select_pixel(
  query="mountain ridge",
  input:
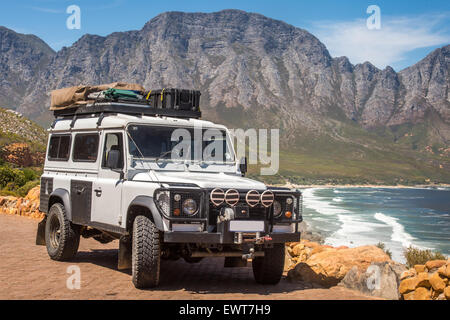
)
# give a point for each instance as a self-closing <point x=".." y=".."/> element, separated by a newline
<point x="254" y="71"/>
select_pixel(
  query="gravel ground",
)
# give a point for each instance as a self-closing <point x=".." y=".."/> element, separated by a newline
<point x="26" y="272"/>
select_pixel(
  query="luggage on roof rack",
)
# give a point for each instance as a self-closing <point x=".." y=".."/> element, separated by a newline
<point x="125" y="98"/>
<point x="171" y="98"/>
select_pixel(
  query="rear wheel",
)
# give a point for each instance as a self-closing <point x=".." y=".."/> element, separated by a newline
<point x="146" y="253"/>
<point x="62" y="238"/>
<point x="269" y="269"/>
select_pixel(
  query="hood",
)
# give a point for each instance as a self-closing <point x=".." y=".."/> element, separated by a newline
<point x="205" y="180"/>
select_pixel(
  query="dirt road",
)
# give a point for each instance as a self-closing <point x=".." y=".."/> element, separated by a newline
<point x="26" y="272"/>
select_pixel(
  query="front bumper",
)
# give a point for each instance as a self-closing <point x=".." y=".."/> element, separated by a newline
<point x="221" y="238"/>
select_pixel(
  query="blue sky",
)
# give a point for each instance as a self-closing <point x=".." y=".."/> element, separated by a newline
<point x="409" y="29"/>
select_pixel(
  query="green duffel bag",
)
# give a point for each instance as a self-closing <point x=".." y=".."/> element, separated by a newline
<point x="119" y="94"/>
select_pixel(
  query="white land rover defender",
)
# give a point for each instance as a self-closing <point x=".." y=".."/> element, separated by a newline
<point x="108" y="175"/>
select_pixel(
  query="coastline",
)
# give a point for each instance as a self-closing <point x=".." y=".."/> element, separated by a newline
<point x="328" y="186"/>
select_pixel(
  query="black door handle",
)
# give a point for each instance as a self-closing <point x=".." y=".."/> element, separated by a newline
<point x="98" y="192"/>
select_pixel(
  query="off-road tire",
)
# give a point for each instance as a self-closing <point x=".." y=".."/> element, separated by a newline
<point x="146" y="253"/>
<point x="62" y="238"/>
<point x="269" y="269"/>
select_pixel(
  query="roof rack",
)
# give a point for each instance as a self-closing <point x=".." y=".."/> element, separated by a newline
<point x="125" y="107"/>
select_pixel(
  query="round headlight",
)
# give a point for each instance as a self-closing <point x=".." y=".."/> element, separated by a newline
<point x="190" y="207"/>
<point x="276" y="209"/>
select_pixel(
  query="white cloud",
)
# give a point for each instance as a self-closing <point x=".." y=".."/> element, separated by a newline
<point x="46" y="10"/>
<point x="387" y="46"/>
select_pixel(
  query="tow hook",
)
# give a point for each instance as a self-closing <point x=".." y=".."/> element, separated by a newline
<point x="261" y="240"/>
<point x="249" y="255"/>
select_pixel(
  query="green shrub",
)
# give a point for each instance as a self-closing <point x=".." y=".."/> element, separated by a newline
<point x="30" y="174"/>
<point x="382" y="246"/>
<point x="6" y="176"/>
<point x="417" y="256"/>
<point x="23" y="191"/>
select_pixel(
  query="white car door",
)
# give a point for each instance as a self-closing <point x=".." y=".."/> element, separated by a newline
<point x="107" y="188"/>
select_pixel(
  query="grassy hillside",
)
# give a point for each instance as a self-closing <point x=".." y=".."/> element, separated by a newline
<point x="16" y="128"/>
<point x="345" y="153"/>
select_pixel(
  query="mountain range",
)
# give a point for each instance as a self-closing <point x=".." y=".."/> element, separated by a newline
<point x="339" y="122"/>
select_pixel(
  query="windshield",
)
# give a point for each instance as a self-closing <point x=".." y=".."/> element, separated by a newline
<point x="175" y="143"/>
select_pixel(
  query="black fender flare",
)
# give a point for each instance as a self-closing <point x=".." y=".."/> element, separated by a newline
<point x="64" y="195"/>
<point x="149" y="203"/>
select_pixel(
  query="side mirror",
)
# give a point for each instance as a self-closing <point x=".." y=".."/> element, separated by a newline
<point x="113" y="160"/>
<point x="243" y="165"/>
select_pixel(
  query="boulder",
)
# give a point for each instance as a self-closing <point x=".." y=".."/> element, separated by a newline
<point x="379" y="280"/>
<point x="447" y="293"/>
<point x="434" y="264"/>
<point x="437" y="282"/>
<point x="408" y="274"/>
<point x="423" y="280"/>
<point x="329" y="266"/>
<point x="420" y="268"/>
<point x="408" y="285"/>
<point x="422" y="294"/>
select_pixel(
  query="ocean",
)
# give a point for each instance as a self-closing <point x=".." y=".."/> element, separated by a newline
<point x="398" y="217"/>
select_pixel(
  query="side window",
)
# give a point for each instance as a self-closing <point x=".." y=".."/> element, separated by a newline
<point x="59" y="148"/>
<point x="113" y="141"/>
<point x="85" y="147"/>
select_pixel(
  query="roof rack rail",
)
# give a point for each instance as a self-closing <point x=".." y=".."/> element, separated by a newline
<point x="127" y="107"/>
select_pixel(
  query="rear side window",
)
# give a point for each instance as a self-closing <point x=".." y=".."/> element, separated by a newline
<point x="59" y="148"/>
<point x="85" y="147"/>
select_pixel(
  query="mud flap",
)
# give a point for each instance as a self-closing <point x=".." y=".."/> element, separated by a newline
<point x="40" y="235"/>
<point x="124" y="261"/>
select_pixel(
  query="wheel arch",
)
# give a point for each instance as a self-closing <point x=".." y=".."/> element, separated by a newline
<point x="61" y="196"/>
<point x="143" y="205"/>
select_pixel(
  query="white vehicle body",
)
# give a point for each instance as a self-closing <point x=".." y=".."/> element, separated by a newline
<point x="104" y="201"/>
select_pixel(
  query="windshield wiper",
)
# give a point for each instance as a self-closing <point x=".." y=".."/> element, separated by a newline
<point x="162" y="155"/>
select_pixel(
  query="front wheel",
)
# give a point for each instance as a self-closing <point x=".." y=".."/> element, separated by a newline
<point x="269" y="269"/>
<point x="62" y="238"/>
<point x="146" y="253"/>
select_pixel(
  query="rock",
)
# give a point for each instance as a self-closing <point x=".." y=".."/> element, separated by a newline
<point x="434" y="264"/>
<point x="297" y="250"/>
<point x="28" y="206"/>
<point x="447" y="293"/>
<point x="380" y="280"/>
<point x="444" y="271"/>
<point x="330" y="266"/>
<point x="423" y="280"/>
<point x="408" y="274"/>
<point x="420" y="268"/>
<point x="20" y="154"/>
<point x="408" y="296"/>
<point x="288" y="264"/>
<point x="408" y="285"/>
<point x="437" y="282"/>
<point x="422" y="294"/>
